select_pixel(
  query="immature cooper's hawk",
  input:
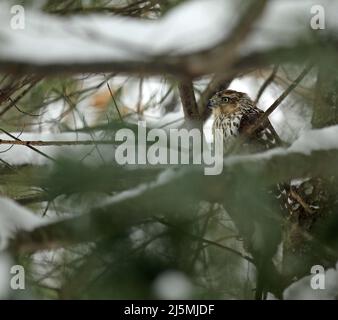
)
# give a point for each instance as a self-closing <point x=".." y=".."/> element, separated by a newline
<point x="302" y="202"/>
<point x="234" y="113"/>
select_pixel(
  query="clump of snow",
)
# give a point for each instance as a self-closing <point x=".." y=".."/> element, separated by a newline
<point x="298" y="182"/>
<point x="317" y="139"/>
<point x="14" y="217"/>
<point x="163" y="178"/>
<point x="309" y="141"/>
<point x="285" y="22"/>
<point x="302" y="288"/>
<point x="192" y="26"/>
<point x="195" y="25"/>
<point x="172" y="284"/>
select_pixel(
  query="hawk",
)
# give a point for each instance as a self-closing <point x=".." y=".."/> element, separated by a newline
<point x="235" y="113"/>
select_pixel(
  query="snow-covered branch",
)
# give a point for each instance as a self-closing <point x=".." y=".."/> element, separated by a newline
<point x="198" y="37"/>
<point x="305" y="155"/>
<point x="14" y="218"/>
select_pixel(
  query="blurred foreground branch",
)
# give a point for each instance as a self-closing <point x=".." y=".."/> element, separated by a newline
<point x="268" y="170"/>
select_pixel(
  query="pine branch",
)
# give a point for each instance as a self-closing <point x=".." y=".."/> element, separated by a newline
<point x="266" y="170"/>
<point x="214" y="59"/>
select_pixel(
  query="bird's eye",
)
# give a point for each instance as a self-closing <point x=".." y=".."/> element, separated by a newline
<point x="225" y="99"/>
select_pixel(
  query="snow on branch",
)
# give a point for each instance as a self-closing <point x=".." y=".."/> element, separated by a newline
<point x="191" y="39"/>
<point x="49" y="39"/>
<point x="305" y="155"/>
<point x="324" y="139"/>
<point x="13" y="218"/>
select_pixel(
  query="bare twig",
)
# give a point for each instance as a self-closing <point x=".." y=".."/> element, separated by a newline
<point x="25" y="200"/>
<point x="55" y="142"/>
<point x="267" y="83"/>
<point x="115" y="104"/>
<point x="205" y="241"/>
<point x="134" y="9"/>
<point x="27" y="145"/>
<point x="274" y="106"/>
<point x="13" y="102"/>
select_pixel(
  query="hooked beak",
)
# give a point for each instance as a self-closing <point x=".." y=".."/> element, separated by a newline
<point x="210" y="104"/>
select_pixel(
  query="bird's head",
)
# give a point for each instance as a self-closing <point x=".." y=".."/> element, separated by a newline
<point x="228" y="102"/>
